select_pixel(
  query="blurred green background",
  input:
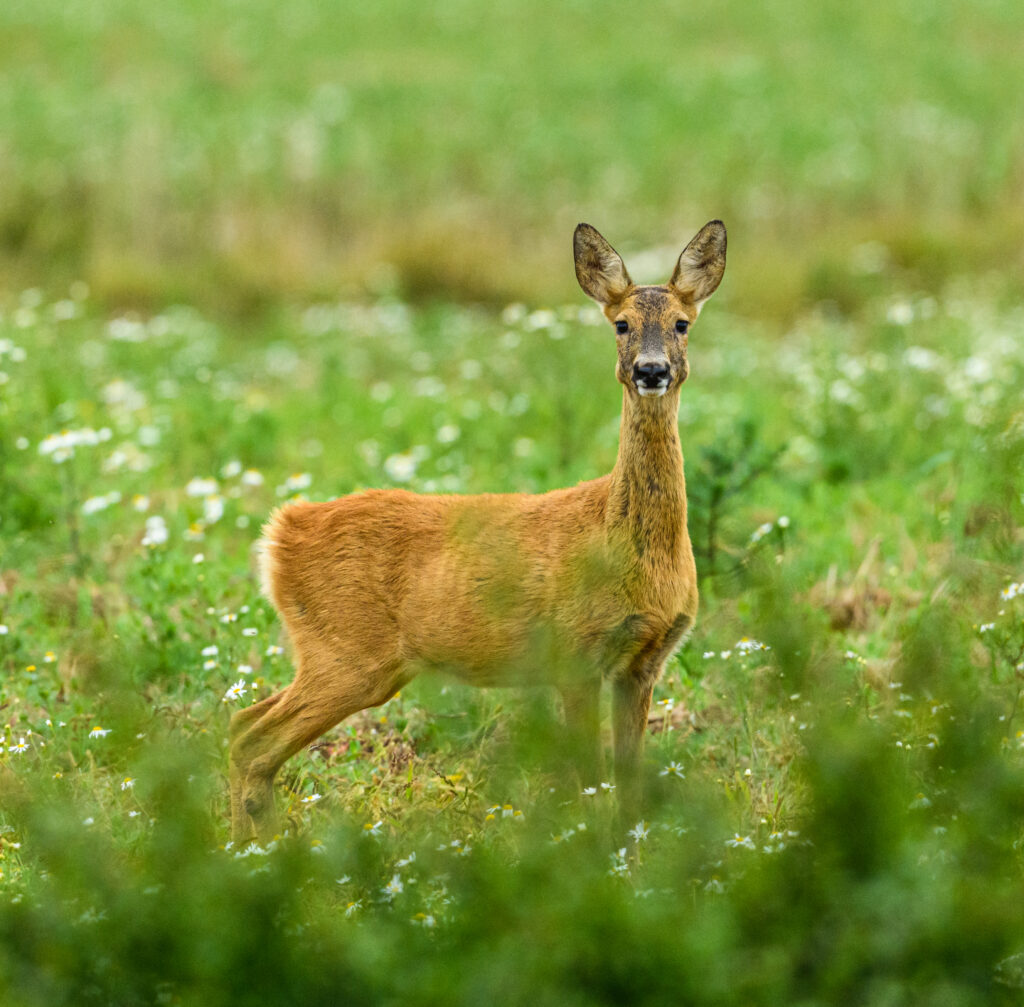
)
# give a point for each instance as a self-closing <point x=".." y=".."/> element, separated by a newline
<point x="232" y="154"/>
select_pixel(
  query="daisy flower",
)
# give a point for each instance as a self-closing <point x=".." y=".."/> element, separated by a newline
<point x="235" y="692"/>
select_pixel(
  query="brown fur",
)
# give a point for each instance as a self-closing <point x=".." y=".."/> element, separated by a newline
<point x="562" y="588"/>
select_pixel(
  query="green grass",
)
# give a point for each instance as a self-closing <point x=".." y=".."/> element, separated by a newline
<point x="256" y="251"/>
<point x="845" y="821"/>
<point x="241" y="157"/>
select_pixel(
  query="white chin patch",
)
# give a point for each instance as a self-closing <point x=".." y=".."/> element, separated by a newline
<point x="656" y="392"/>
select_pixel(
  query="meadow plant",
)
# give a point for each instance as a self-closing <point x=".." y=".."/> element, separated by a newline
<point x="834" y="811"/>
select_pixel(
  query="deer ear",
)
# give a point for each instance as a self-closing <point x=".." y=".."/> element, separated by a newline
<point x="599" y="268"/>
<point x="701" y="265"/>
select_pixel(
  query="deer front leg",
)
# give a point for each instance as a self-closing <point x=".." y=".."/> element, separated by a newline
<point x="582" y="705"/>
<point x="631" y="701"/>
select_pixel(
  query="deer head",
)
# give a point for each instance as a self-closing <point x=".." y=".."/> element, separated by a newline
<point x="651" y="322"/>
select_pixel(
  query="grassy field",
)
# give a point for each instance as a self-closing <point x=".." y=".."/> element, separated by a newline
<point x="237" y="156"/>
<point x="836" y="816"/>
<point x="257" y="252"/>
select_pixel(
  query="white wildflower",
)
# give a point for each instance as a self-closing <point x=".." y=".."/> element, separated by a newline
<point x="295" y="483"/>
<point x="213" y="508"/>
<point x="199" y="487"/>
<point x="236" y="691"/>
<point x="921" y="358"/>
<point x="400" y="468"/>
<point x="746" y="645"/>
<point x="60" y="447"/>
<point x="639" y="832"/>
<point x="543" y="318"/>
<point x="900" y="313"/>
<point x="95" y="504"/>
<point x="620" y="864"/>
<point x="738" y="841"/>
<point x="156" y="531"/>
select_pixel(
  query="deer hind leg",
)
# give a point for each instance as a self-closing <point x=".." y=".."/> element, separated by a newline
<point x="241" y="721"/>
<point x="328" y="687"/>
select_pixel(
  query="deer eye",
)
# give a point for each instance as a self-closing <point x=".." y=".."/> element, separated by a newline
<point x="682" y="325"/>
<point x="622" y="326"/>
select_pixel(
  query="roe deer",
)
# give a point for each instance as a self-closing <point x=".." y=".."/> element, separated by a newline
<point x="562" y="588"/>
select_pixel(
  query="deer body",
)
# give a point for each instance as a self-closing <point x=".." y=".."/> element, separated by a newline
<point x="563" y="588"/>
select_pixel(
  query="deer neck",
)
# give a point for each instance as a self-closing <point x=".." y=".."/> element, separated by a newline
<point x="647" y="495"/>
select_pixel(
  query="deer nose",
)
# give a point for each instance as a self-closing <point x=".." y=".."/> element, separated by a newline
<point x="651" y="375"/>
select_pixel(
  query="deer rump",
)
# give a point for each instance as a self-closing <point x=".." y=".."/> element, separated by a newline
<point x="497" y="589"/>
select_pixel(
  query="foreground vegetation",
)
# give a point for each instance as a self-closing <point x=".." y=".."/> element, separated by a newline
<point x="836" y="757"/>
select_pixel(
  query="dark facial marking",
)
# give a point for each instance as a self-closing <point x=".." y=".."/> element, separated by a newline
<point x="650" y="298"/>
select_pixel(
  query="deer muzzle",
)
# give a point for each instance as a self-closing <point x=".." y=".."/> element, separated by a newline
<point x="652" y="377"/>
